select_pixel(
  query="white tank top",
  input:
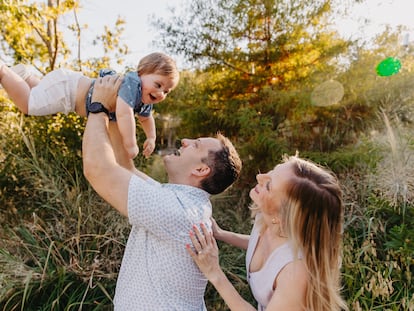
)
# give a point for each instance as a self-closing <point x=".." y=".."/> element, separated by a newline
<point x="261" y="282"/>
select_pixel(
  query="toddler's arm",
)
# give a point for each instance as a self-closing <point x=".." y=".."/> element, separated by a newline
<point x="120" y="153"/>
<point x="126" y="124"/>
<point x="148" y="125"/>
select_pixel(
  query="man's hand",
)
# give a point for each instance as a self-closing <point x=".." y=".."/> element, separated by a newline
<point x="106" y="91"/>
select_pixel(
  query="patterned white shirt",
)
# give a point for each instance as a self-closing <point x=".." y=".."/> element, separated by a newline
<point x="156" y="271"/>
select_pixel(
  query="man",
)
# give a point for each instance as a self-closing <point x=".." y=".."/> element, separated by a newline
<point x="156" y="271"/>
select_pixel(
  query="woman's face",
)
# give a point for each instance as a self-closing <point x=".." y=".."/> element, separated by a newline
<point x="271" y="187"/>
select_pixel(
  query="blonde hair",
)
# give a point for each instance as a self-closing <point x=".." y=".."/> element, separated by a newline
<point x="314" y="223"/>
<point x="159" y="63"/>
<point x="312" y="219"/>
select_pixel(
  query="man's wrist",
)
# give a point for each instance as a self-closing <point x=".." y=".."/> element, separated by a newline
<point x="102" y="113"/>
<point x="102" y="116"/>
<point x="96" y="107"/>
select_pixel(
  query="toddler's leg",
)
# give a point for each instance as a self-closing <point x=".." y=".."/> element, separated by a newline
<point x="17" y="88"/>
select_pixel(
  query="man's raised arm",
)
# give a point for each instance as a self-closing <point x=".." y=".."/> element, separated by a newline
<point x="107" y="177"/>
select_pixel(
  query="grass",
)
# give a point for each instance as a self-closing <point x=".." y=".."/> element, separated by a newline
<point x="61" y="245"/>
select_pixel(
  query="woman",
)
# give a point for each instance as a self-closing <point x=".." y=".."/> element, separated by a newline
<point x="294" y="250"/>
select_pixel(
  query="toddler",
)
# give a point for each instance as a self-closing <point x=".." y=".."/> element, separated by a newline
<point x="64" y="91"/>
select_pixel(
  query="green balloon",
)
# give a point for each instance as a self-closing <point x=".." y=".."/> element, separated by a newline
<point x="388" y="67"/>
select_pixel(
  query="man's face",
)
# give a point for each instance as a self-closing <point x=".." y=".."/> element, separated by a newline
<point x="190" y="154"/>
<point x="155" y="88"/>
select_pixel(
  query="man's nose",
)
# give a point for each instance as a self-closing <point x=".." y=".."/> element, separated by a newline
<point x="185" y="142"/>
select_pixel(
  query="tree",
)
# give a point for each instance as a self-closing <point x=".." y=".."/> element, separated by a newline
<point x="32" y="34"/>
<point x="30" y="30"/>
<point x="266" y="42"/>
<point x="260" y="60"/>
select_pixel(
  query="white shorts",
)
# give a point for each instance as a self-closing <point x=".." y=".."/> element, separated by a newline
<point x="56" y="92"/>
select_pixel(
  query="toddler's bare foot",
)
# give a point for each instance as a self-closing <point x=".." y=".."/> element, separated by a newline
<point x="2" y="66"/>
<point x="21" y="70"/>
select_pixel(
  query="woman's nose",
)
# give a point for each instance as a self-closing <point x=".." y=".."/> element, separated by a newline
<point x="259" y="177"/>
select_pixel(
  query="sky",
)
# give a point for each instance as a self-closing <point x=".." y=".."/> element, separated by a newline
<point x="378" y="13"/>
<point x="138" y="34"/>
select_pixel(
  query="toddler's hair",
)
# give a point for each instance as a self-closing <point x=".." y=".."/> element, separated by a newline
<point x="158" y="63"/>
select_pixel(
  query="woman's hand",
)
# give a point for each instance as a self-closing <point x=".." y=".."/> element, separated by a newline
<point x="206" y="251"/>
<point x="217" y="231"/>
<point x="206" y="258"/>
<point x="105" y="91"/>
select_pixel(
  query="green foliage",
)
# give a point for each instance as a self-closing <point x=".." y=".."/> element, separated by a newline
<point x="258" y="93"/>
<point x="378" y="260"/>
<point x="34" y="178"/>
<point x="261" y="61"/>
<point x="232" y="259"/>
<point x="49" y="273"/>
<point x="378" y="250"/>
<point x="61" y="246"/>
<point x="30" y="30"/>
<point x="40" y="41"/>
<point x="254" y="43"/>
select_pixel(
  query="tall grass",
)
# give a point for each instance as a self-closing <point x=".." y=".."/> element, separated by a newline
<point x="378" y="252"/>
<point x="61" y="245"/>
<point x="379" y="247"/>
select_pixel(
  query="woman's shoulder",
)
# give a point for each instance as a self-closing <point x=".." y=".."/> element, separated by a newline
<point x="294" y="273"/>
<point x="290" y="287"/>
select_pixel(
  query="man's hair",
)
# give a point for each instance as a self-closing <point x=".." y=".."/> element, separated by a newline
<point x="225" y="165"/>
<point x="158" y="63"/>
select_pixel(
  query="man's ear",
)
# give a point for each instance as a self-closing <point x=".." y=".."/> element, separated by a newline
<point x="201" y="171"/>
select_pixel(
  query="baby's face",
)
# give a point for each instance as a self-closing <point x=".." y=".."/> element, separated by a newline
<point x="155" y="88"/>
